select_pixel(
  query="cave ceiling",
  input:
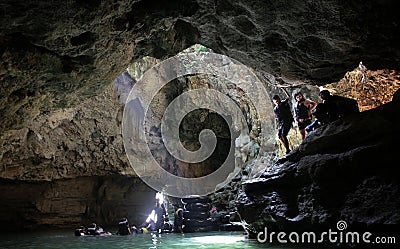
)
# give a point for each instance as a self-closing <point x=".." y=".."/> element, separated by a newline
<point x="56" y="53"/>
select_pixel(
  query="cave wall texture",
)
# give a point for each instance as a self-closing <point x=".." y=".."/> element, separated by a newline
<point x="343" y="171"/>
<point x="54" y="54"/>
<point x="60" y="115"/>
<point x="73" y="202"/>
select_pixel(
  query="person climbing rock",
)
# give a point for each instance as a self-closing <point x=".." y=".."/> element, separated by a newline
<point x="321" y="116"/>
<point x="284" y="118"/>
<point x="338" y="106"/>
<point x="303" y="110"/>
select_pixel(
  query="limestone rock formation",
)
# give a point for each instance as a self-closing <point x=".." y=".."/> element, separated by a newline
<point x="335" y="174"/>
<point x="73" y="202"/>
<point x="54" y="54"/>
<point x="60" y="115"/>
<point x="84" y="140"/>
<point x="370" y="88"/>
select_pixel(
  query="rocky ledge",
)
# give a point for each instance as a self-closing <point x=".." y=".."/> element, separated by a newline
<point x="342" y="171"/>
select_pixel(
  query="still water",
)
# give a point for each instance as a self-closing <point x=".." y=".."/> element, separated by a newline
<point x="66" y="239"/>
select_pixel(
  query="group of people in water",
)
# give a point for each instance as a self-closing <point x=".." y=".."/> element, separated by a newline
<point x="157" y="221"/>
<point x="330" y="109"/>
<point x="91" y="230"/>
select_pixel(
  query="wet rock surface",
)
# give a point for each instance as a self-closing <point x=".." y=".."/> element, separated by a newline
<point x="335" y="174"/>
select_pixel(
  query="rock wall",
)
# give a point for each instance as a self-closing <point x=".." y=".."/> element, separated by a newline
<point x="60" y="117"/>
<point x="81" y="144"/>
<point x="55" y="54"/>
<point x="84" y="140"/>
<point x="369" y="88"/>
<point x="73" y="202"/>
<point x="342" y="171"/>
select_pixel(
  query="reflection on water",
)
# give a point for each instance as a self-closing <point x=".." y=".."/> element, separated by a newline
<point x="66" y="239"/>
